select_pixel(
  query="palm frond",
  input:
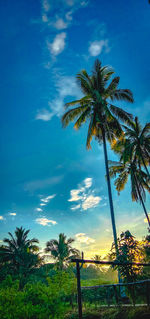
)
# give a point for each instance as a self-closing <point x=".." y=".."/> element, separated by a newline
<point x="72" y="114"/>
<point x="82" y="119"/>
<point x="91" y="131"/>
<point x="122" y="95"/>
<point x="121" y="181"/>
<point x="112" y="86"/>
<point x="146" y="129"/>
<point x="121" y="114"/>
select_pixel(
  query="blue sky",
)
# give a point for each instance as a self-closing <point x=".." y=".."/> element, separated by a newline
<point x="50" y="183"/>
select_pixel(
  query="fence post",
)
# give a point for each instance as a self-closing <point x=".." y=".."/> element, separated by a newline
<point x="147" y="293"/>
<point x="79" y="291"/>
<point x="116" y="295"/>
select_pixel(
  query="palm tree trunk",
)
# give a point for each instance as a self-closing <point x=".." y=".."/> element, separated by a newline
<point x="141" y="200"/>
<point x="110" y="193"/>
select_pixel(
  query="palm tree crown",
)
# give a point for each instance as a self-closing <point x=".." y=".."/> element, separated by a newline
<point x="19" y="251"/>
<point x="138" y="178"/>
<point x="95" y="107"/>
<point x="135" y="144"/>
<point x="61" y="250"/>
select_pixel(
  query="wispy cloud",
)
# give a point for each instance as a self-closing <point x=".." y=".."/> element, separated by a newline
<point x="12" y="214"/>
<point x="76" y="207"/>
<point x="44" y="115"/>
<point x="45" y="9"/>
<point x="58" y="44"/>
<point x="60" y="24"/>
<point x="88" y="182"/>
<point x="45" y="221"/>
<point x="35" y="185"/>
<point x="84" y="195"/>
<point x="97" y="47"/>
<point x="84" y="239"/>
<point x="65" y="86"/>
<point x="44" y="201"/>
<point x="48" y="198"/>
<point x="38" y="209"/>
<point x="2" y="218"/>
<point x="91" y="201"/>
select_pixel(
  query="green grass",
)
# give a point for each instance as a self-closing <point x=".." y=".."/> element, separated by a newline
<point x="121" y="313"/>
<point x="95" y="282"/>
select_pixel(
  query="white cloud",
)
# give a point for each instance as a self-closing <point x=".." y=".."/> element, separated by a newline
<point x="45" y="9"/>
<point x="1" y="218"/>
<point x="48" y="198"/>
<point x="44" y="18"/>
<point x="44" y="115"/>
<point x="38" y="209"/>
<point x="75" y="195"/>
<point x="84" y="195"/>
<point x="88" y="182"/>
<point x="44" y="201"/>
<point x="12" y="214"/>
<point x="97" y="47"/>
<point x="58" y="45"/>
<point x="45" y="221"/>
<point x="91" y="201"/>
<point x="46" y="5"/>
<point x="60" y="24"/>
<point x="76" y="207"/>
<point x="69" y="16"/>
<point x="83" y="239"/>
<point x="65" y="86"/>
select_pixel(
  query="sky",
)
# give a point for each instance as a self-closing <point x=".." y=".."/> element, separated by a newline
<point x="50" y="183"/>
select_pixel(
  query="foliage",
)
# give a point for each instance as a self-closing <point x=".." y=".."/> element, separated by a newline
<point x="133" y="148"/>
<point x="140" y="181"/>
<point x="121" y="313"/>
<point x="61" y="250"/>
<point x="146" y="254"/>
<point x="36" y="300"/>
<point x="134" y="144"/>
<point x="19" y="255"/>
<point x="95" y="108"/>
<point x="129" y="251"/>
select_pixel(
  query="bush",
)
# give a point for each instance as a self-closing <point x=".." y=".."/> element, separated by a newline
<point x="37" y="300"/>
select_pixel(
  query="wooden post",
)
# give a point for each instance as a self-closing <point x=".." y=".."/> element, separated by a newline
<point x="79" y="291"/>
<point x="116" y="295"/>
<point x="147" y="293"/>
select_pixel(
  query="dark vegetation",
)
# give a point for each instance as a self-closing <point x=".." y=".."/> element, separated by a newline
<point x="38" y="290"/>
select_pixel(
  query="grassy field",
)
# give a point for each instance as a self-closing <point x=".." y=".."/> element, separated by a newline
<point x="117" y="313"/>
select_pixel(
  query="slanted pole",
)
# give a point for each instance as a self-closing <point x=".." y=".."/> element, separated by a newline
<point x="79" y="290"/>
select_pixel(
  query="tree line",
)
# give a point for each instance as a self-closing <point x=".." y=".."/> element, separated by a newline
<point x="20" y="256"/>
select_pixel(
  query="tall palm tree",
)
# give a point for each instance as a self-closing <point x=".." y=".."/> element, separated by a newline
<point x="20" y="252"/>
<point x="96" y="107"/>
<point x="139" y="181"/>
<point x="135" y="144"/>
<point x="61" y="250"/>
